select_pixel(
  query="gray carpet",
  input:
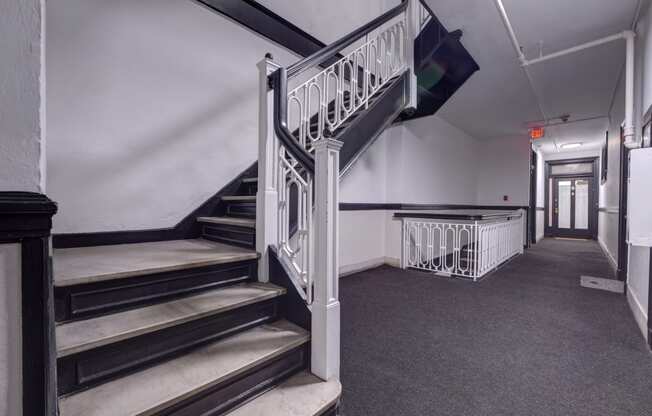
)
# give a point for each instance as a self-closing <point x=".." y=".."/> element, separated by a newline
<point x="527" y="340"/>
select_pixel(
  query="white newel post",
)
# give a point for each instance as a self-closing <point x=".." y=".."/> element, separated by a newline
<point x="267" y="196"/>
<point x="326" y="305"/>
<point x="413" y="26"/>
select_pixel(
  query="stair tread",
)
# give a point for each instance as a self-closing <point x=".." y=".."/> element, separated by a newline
<point x="81" y="265"/>
<point x="84" y="335"/>
<point x="240" y="222"/>
<point x="301" y="395"/>
<point x="251" y="198"/>
<point x="159" y="387"/>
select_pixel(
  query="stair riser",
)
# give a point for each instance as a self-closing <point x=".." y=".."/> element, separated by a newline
<point x="227" y="234"/>
<point x="89" y="368"/>
<point x="229" y="394"/>
<point x="96" y="299"/>
<point x="248" y="188"/>
<point x="241" y="209"/>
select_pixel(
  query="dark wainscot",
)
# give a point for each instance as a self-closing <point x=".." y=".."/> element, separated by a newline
<point x="26" y="219"/>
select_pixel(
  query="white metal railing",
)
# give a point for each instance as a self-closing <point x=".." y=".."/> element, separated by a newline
<point x="321" y="104"/>
<point x="467" y="249"/>
<point x="295" y="197"/>
<point x="297" y="205"/>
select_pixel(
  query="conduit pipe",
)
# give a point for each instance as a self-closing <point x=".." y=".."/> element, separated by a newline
<point x="521" y="58"/>
<point x="627" y="35"/>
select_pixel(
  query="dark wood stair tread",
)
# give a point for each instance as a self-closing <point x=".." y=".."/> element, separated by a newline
<point x="75" y="337"/>
<point x="162" y="386"/>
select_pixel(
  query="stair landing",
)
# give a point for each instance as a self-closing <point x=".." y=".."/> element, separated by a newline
<point x="73" y="266"/>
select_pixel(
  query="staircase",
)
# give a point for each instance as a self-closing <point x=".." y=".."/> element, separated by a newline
<point x="243" y="319"/>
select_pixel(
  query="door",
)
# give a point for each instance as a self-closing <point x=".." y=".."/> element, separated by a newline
<point x="572" y="211"/>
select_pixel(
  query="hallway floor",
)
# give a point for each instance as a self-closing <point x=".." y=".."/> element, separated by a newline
<point x="527" y="340"/>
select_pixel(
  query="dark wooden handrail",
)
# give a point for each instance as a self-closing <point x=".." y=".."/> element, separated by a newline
<point x="279" y="83"/>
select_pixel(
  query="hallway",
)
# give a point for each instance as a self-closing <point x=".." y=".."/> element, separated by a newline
<point x="528" y="340"/>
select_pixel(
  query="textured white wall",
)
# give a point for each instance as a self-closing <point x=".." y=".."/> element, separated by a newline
<point x="366" y="180"/>
<point x="329" y="20"/>
<point x="10" y="333"/>
<point x="430" y="161"/>
<point x="22" y="129"/>
<point x="503" y="169"/>
<point x="22" y="136"/>
<point x="362" y="240"/>
<point x="424" y="161"/>
<point x="152" y="108"/>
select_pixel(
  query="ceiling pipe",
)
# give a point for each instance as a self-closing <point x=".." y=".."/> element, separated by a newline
<point x="630" y="128"/>
<point x="522" y="59"/>
<point x="617" y="36"/>
<point x="628" y="35"/>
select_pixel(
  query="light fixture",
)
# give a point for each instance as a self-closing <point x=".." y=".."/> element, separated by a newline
<point x="571" y="145"/>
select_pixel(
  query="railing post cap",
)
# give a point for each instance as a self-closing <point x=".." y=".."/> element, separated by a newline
<point x="328" y="144"/>
<point x="268" y="63"/>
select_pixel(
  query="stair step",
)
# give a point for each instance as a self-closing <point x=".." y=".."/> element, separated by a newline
<point x="84" y="335"/>
<point x="238" y="222"/>
<point x="74" y="266"/>
<point x="250" y="180"/>
<point x="192" y="375"/>
<point x="240" y="198"/>
<point x="301" y="395"/>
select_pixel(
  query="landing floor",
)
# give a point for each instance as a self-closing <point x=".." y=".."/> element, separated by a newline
<point x="527" y="340"/>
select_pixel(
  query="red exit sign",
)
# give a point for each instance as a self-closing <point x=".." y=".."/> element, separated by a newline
<point x="537" y="133"/>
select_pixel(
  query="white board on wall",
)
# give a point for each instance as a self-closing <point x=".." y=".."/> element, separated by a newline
<point x="640" y="198"/>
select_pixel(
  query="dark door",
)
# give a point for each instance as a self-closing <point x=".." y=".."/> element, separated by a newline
<point x="573" y="207"/>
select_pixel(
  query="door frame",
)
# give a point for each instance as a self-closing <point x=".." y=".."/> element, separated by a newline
<point x="534" y="159"/>
<point x="593" y="203"/>
<point x="572" y="231"/>
<point x="622" y="208"/>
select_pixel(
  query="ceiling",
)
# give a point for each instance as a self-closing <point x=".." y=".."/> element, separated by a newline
<point x="499" y="101"/>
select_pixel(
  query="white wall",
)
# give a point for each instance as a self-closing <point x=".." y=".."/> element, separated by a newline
<point x="609" y="216"/>
<point x="22" y="141"/>
<point x="22" y="128"/>
<point x="423" y="161"/>
<point x="638" y="258"/>
<point x="430" y="161"/>
<point x="152" y="108"/>
<point x="329" y="20"/>
<point x="503" y="169"/>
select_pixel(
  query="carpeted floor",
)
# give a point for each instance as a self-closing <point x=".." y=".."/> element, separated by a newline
<point x="527" y="340"/>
